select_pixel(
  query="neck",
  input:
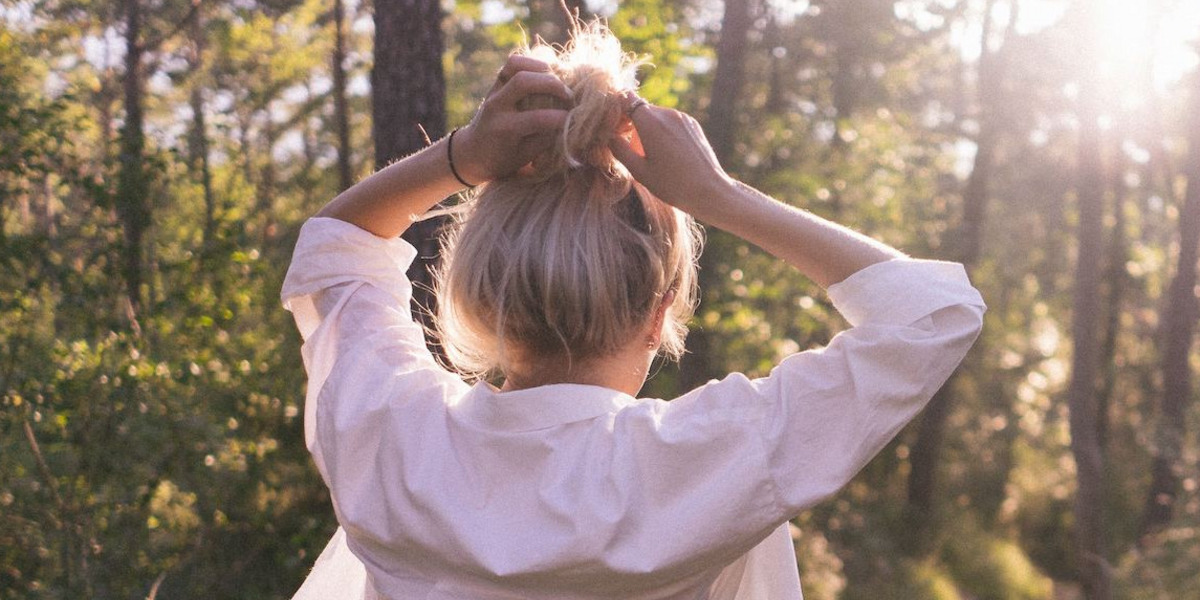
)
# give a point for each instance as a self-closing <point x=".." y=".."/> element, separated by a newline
<point x="624" y="371"/>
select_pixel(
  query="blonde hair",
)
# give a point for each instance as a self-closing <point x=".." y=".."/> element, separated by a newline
<point x="572" y="260"/>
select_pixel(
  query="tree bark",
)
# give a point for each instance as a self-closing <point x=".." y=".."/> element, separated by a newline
<point x="408" y="93"/>
<point x="1089" y="535"/>
<point x="133" y="209"/>
<point x="198" y="136"/>
<point x="1178" y="329"/>
<point x="408" y="86"/>
<point x="551" y="22"/>
<point x="696" y="366"/>
<point x="728" y="80"/>
<point x="1115" y="279"/>
<point x="341" y="112"/>
<point x="777" y="76"/>
<point x="965" y="244"/>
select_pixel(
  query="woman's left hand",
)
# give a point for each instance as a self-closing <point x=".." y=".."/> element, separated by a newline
<point x="502" y="138"/>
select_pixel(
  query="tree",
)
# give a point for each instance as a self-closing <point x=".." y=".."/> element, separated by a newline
<point x="720" y="125"/>
<point x="341" y="111"/>
<point x="132" y="197"/>
<point x="1090" y="539"/>
<point x="728" y="80"/>
<point x="408" y="92"/>
<point x="198" y="159"/>
<point x="965" y="246"/>
<point x="1178" y="329"/>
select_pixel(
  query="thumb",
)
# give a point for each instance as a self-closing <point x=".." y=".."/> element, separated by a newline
<point x="624" y="152"/>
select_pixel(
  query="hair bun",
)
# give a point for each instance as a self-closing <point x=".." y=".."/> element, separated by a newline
<point x="599" y="74"/>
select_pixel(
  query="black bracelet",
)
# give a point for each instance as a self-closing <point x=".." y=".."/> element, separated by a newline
<point x="450" y="155"/>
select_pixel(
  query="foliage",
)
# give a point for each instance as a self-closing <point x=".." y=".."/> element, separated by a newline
<point x="159" y="450"/>
<point x="992" y="568"/>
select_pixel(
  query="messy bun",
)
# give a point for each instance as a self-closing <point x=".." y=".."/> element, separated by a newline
<point x="568" y="261"/>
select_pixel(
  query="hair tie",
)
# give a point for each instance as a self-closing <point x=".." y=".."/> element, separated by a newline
<point x="450" y="155"/>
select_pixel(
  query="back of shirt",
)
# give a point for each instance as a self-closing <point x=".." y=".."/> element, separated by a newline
<point x="573" y="491"/>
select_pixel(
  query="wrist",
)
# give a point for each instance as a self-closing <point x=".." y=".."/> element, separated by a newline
<point x="465" y="166"/>
<point x="716" y="201"/>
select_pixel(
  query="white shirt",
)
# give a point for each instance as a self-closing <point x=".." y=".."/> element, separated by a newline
<point x="451" y="491"/>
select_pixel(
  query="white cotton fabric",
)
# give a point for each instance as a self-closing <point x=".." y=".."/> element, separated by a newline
<point x="451" y="491"/>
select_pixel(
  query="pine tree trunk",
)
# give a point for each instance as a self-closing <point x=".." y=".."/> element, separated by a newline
<point x="965" y="244"/>
<point x="408" y="92"/>
<point x="696" y="366"/>
<point x="1178" y="329"/>
<point x="133" y="209"/>
<point x="198" y="136"/>
<point x="1115" y="280"/>
<point x="1089" y="535"/>
<point x="341" y="112"/>
<point x="551" y="22"/>
<point x="728" y="80"/>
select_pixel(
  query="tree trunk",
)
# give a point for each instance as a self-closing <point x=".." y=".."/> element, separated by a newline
<point x="728" y="80"/>
<point x="1089" y="534"/>
<point x="696" y="366"/>
<point x="1178" y="328"/>
<point x="1115" y="280"/>
<point x="133" y="210"/>
<point x="341" y="113"/>
<point x="551" y="22"/>
<point x="965" y="244"/>
<point x="777" y="74"/>
<point x="198" y="136"/>
<point x="268" y="176"/>
<point x="408" y="93"/>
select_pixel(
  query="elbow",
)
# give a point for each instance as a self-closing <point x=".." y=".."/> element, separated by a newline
<point x="960" y="325"/>
<point x="974" y="326"/>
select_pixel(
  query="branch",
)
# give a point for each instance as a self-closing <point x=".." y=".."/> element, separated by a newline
<point x="43" y="468"/>
<point x="154" y="587"/>
<point x="155" y="43"/>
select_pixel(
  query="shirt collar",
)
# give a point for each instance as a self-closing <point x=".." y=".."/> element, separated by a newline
<point x="539" y="407"/>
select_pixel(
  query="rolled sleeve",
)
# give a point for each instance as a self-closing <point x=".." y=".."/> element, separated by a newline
<point x="901" y="291"/>
<point x="824" y="413"/>
<point x="350" y="297"/>
<point x="331" y="253"/>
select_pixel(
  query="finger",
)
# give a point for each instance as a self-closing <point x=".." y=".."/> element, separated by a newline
<point x="624" y="152"/>
<point x="538" y="121"/>
<point x="534" y="147"/>
<point x="628" y="99"/>
<point x="515" y="64"/>
<point x="649" y="121"/>
<point x="520" y="62"/>
<point x="526" y="83"/>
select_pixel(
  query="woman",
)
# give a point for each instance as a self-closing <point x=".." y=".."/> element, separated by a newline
<point x="572" y="270"/>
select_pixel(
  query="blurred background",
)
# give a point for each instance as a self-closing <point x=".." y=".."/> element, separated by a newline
<point x="157" y="158"/>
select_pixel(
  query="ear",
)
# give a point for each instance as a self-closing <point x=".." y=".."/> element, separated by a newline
<point x="660" y="314"/>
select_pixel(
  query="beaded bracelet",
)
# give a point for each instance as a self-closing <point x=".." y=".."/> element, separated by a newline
<point x="450" y="155"/>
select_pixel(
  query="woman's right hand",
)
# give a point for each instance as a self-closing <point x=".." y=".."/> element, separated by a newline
<point x="671" y="157"/>
<point x="503" y="137"/>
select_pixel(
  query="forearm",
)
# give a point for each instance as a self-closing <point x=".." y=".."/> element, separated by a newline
<point x="822" y="250"/>
<point x="671" y="157"/>
<point x="390" y="200"/>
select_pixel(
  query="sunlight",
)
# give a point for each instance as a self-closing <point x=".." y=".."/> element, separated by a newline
<point x="1141" y="43"/>
<point x="1133" y="37"/>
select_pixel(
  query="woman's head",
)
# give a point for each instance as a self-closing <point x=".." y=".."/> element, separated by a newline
<point x="572" y="261"/>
